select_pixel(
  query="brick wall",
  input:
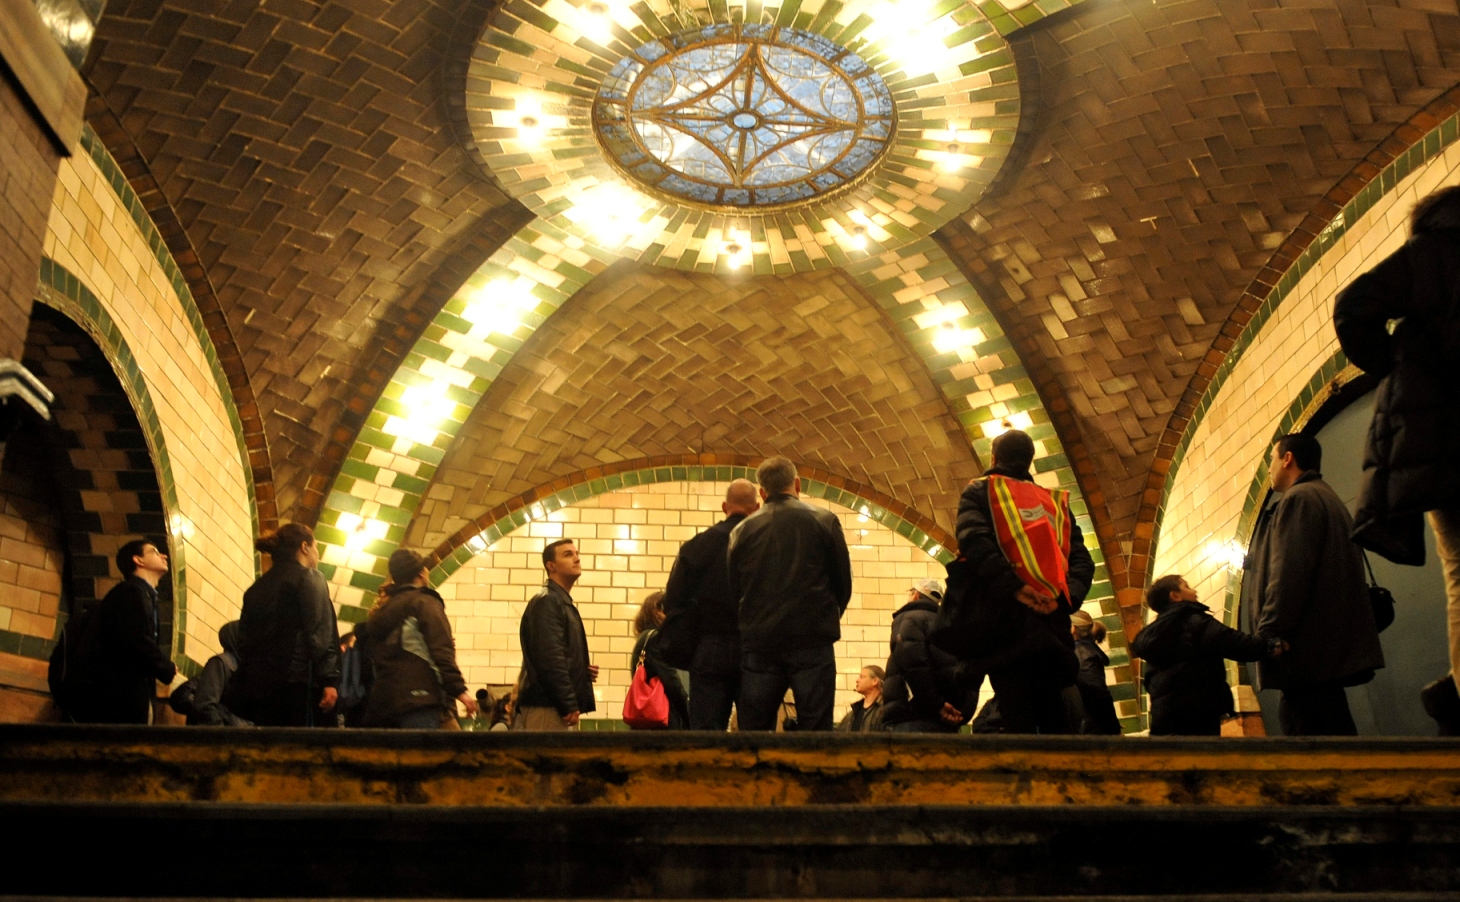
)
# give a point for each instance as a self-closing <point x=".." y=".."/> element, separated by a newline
<point x="26" y="181"/>
<point x="629" y="540"/>
<point x="32" y="539"/>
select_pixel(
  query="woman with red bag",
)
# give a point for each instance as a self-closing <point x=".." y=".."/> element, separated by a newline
<point x="656" y="699"/>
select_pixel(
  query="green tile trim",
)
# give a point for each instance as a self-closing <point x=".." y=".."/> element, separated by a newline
<point x="1429" y="147"/>
<point x="114" y="177"/>
<point x="64" y="292"/>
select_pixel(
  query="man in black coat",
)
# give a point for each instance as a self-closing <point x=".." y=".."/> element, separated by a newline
<point x="702" y="631"/>
<point x="920" y="693"/>
<point x="1412" y="456"/>
<point x="1024" y="636"/>
<point x="1304" y="583"/>
<point x="790" y="570"/>
<point x="557" y="680"/>
<point x="121" y="652"/>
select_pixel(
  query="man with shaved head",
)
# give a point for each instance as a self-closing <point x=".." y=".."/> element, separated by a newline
<point x="702" y="629"/>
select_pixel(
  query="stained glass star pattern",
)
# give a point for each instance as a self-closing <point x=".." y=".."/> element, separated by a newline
<point x="744" y="116"/>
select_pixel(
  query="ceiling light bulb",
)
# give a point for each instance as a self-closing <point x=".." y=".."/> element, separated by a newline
<point x="859" y="238"/>
<point x="598" y="9"/>
<point x="528" y="122"/>
<point x="955" y="147"/>
<point x="733" y="248"/>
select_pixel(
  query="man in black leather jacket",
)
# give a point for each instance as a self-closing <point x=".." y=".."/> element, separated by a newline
<point x="789" y="567"/>
<point x="702" y="633"/>
<point x="557" y="680"/>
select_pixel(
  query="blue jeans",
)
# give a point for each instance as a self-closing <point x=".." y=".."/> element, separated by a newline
<point x="765" y="675"/>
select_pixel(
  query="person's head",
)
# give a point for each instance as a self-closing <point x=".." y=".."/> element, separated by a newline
<point x="1014" y="450"/>
<point x="777" y="476"/>
<point x="228" y="635"/>
<point x="292" y="541"/>
<point x="502" y="710"/>
<point x="740" y="498"/>
<point x="1436" y="212"/>
<point x="930" y="588"/>
<point x="407" y="568"/>
<point x="869" y="681"/>
<point x="1084" y="626"/>
<point x="560" y="560"/>
<point x="142" y="558"/>
<point x="1292" y="456"/>
<point x="651" y="613"/>
<point x="1168" y="589"/>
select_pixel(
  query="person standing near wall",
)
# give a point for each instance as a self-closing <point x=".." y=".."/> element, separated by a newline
<point x="1099" y="717"/>
<point x="646" y="630"/>
<point x="921" y="693"/>
<point x="1412" y="455"/>
<point x="289" y="640"/>
<point x="865" y="714"/>
<point x="557" y="679"/>
<point x="791" y="573"/>
<point x="1304" y="584"/>
<point x="121" y="650"/>
<point x="703" y="625"/>
<point x="408" y="642"/>
<point x="208" y="709"/>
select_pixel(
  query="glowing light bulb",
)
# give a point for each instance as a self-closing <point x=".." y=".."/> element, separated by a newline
<point x="859" y="238"/>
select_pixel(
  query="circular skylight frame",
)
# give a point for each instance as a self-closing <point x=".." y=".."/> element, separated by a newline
<point x="726" y="180"/>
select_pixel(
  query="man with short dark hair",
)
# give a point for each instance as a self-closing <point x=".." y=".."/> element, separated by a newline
<point x="121" y="657"/>
<point x="557" y="680"/>
<point x="1304" y="584"/>
<point x="702" y="631"/>
<point x="1029" y="570"/>
<point x="789" y="568"/>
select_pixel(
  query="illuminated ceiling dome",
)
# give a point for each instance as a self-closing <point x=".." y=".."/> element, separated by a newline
<point x="744" y="116"/>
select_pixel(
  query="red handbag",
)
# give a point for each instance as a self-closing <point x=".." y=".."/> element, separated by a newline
<point x="646" y="707"/>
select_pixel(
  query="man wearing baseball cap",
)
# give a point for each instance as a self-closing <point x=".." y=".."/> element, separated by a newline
<point x="921" y="692"/>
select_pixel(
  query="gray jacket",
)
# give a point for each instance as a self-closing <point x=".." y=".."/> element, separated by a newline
<point x="1304" y="583"/>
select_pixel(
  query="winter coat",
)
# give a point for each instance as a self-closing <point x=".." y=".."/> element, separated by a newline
<point x="1100" y="718"/>
<point x="655" y="667"/>
<point x="208" y="687"/>
<point x="412" y="655"/>
<point x="121" y="658"/>
<point x="789" y="567"/>
<point x="1184" y="649"/>
<point x="989" y="624"/>
<point x="554" y="655"/>
<point x="920" y="677"/>
<point x="697" y="599"/>
<point x="860" y="718"/>
<point x="1304" y="582"/>
<point x="288" y="634"/>
<point x="1412" y="454"/>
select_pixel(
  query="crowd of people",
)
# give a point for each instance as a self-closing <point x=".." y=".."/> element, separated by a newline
<point x="752" y="607"/>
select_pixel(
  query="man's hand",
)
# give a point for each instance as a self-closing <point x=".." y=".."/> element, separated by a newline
<point x="470" y="703"/>
<point x="592" y="673"/>
<point x="571" y="718"/>
<point x="951" y="714"/>
<point x="1037" y="601"/>
<point x="331" y="695"/>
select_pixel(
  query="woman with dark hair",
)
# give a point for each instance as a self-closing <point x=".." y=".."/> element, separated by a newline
<point x="1099" y="715"/>
<point x="646" y="624"/>
<point x="289" y="641"/>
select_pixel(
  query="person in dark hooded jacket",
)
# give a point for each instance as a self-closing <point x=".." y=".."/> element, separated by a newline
<point x="920" y="693"/>
<point x="1412" y="455"/>
<point x="208" y="708"/>
<point x="1184" y="649"/>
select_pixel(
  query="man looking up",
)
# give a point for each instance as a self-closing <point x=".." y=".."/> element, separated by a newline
<point x="1304" y="584"/>
<point x="703" y="625"/>
<point x="790" y="572"/>
<point x="121" y="652"/>
<point x="1030" y="570"/>
<point x="557" y="680"/>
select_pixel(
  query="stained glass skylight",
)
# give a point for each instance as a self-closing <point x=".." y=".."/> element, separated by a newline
<point x="744" y="116"/>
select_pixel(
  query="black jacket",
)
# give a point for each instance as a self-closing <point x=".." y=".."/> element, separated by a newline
<point x="412" y="655"/>
<point x="920" y="677"/>
<point x="1412" y="455"/>
<point x="697" y="599"/>
<point x="287" y="633"/>
<point x="1304" y="582"/>
<point x="788" y="565"/>
<point x="860" y="718"/>
<point x="983" y="620"/>
<point x="121" y="656"/>
<point x="1100" y="717"/>
<point x="1184" y="648"/>
<point x="208" y="687"/>
<point x="655" y="667"/>
<point x="554" y="654"/>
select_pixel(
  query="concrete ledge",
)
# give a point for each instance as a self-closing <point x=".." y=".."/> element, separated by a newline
<point x="150" y="765"/>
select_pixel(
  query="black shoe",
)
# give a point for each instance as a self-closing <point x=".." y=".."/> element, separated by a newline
<point x="1442" y="702"/>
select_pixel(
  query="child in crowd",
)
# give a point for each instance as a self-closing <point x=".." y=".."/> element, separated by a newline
<point x="1184" y="649"/>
